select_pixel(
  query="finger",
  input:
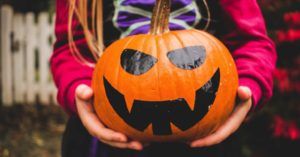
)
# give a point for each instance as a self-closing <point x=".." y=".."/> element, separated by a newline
<point x="84" y="92"/>
<point x="230" y="126"/>
<point x="130" y="145"/>
<point x="94" y="126"/>
<point x="244" y="93"/>
<point x="136" y="145"/>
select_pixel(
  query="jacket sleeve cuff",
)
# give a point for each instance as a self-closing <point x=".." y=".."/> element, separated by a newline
<point x="255" y="90"/>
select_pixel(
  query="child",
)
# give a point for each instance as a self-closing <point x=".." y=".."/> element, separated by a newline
<point x="239" y="24"/>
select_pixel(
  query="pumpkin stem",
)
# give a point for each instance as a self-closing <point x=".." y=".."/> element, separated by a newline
<point x="160" y="17"/>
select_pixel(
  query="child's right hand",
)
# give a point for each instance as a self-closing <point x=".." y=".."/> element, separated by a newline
<point x="83" y="96"/>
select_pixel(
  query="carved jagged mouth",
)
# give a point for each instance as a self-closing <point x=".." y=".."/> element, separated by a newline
<point x="162" y="113"/>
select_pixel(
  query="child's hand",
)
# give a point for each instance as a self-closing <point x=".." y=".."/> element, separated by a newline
<point x="232" y="123"/>
<point x="91" y="122"/>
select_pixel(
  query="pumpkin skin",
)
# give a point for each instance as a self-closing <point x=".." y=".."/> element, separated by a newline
<point x="161" y="82"/>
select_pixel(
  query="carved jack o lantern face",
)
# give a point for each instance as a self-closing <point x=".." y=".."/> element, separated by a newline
<point x="162" y="113"/>
<point x="174" y="86"/>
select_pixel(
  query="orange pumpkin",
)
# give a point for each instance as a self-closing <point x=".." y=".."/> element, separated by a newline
<point x="165" y="85"/>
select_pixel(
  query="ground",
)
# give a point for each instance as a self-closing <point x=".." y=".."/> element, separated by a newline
<point x="31" y="131"/>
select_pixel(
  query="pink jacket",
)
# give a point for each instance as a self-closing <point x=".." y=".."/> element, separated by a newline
<point x="244" y="34"/>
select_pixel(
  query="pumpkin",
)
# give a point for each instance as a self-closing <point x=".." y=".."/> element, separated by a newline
<point x="165" y="85"/>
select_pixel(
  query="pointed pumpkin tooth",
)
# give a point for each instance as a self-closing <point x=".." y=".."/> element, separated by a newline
<point x="129" y="102"/>
<point x="175" y="129"/>
<point x="190" y="99"/>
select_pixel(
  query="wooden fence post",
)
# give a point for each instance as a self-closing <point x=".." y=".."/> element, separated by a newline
<point x="6" y="55"/>
<point x="18" y="58"/>
<point x="44" y="51"/>
<point x="31" y="73"/>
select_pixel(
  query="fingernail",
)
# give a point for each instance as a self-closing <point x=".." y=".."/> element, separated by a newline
<point x="135" y="146"/>
<point x="247" y="90"/>
<point x="193" y="145"/>
<point x="86" y="91"/>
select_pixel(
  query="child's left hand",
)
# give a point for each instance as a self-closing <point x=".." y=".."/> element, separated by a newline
<point x="232" y="123"/>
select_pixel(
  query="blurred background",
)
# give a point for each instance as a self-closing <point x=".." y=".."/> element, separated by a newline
<point x="31" y="124"/>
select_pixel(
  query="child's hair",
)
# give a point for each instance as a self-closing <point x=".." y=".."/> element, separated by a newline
<point x="93" y="29"/>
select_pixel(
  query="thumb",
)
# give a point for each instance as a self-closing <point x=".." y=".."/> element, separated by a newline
<point x="84" y="92"/>
<point x="244" y="93"/>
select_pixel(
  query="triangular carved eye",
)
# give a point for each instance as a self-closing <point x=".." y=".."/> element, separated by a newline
<point x="136" y="62"/>
<point x="188" y="58"/>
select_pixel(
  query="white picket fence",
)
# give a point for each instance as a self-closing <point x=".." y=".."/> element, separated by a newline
<point x="26" y="45"/>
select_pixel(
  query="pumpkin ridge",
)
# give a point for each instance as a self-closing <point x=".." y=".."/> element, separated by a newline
<point x="214" y="42"/>
<point x="167" y="46"/>
<point x="156" y="67"/>
<point x="187" y="74"/>
<point x="220" y="47"/>
<point x="176" y="35"/>
<point x="145" y="38"/>
<point x="193" y="73"/>
<point x="196" y="38"/>
<point x="181" y="45"/>
<point x="119" y="68"/>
